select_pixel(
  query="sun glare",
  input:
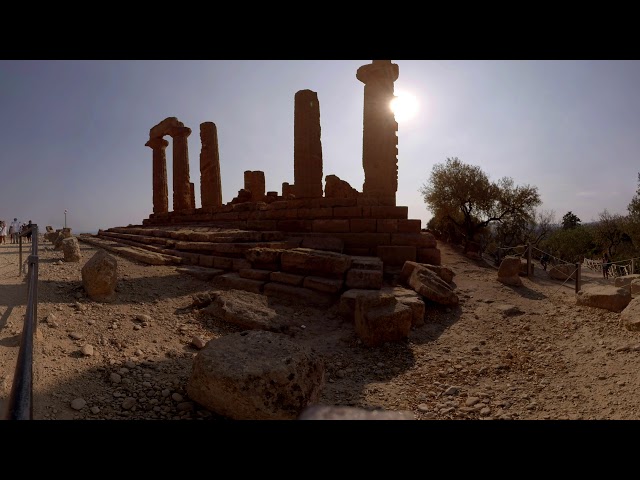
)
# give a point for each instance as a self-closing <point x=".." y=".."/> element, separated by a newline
<point x="404" y="106"/>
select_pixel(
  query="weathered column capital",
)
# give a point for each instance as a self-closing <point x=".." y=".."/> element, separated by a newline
<point x="378" y="70"/>
<point x="179" y="132"/>
<point x="157" y="143"/>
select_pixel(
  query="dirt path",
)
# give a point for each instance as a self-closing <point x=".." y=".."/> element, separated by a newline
<point x="504" y="353"/>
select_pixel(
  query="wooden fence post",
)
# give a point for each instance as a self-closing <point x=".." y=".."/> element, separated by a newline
<point x="577" y="277"/>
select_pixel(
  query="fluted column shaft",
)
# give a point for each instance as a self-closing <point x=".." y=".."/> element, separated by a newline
<point x="181" y="184"/>
<point x="210" y="181"/>
<point x="160" y="187"/>
<point x="379" y="133"/>
<point x="307" y="147"/>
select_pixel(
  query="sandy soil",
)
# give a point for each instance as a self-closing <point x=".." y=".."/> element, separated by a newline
<point x="504" y="353"/>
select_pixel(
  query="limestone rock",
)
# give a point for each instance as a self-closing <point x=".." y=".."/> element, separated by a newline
<point x="509" y="271"/>
<point x="100" y="276"/>
<point x="256" y="375"/>
<point x="380" y="318"/>
<point x="71" y="249"/>
<point x="606" y="297"/>
<point x="630" y="316"/>
<point x="431" y="286"/>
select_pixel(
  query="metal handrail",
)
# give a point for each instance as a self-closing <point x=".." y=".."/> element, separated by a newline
<point x="20" y="404"/>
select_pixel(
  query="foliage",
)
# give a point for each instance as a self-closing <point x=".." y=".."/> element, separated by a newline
<point x="462" y="195"/>
<point x="570" y="220"/>
<point x="610" y="231"/>
<point x="571" y="245"/>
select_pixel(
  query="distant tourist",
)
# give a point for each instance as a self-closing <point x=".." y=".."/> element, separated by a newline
<point x="544" y="260"/>
<point x="3" y="231"/>
<point x="14" y="230"/>
<point x="606" y="263"/>
<point x="29" y="226"/>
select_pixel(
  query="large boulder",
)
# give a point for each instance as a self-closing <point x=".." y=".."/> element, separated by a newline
<point x="444" y="273"/>
<point x="509" y="271"/>
<point x="428" y="284"/>
<point x="71" y="249"/>
<point x="100" y="276"/>
<point x="380" y="318"/>
<point x="64" y="233"/>
<point x="256" y="375"/>
<point x="247" y="310"/>
<point x="630" y="316"/>
<point x="606" y="297"/>
<point x="625" y="280"/>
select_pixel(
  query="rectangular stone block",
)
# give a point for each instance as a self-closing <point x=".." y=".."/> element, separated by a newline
<point x="282" y="214"/>
<point x="328" y="244"/>
<point x="254" y="274"/>
<point x="366" y="263"/>
<point x="222" y="262"/>
<point x="233" y="280"/>
<point x="287" y="278"/>
<point x="347" y="305"/>
<point x="364" y="279"/>
<point x="330" y="226"/>
<point x="386" y="225"/>
<point x="205" y="260"/>
<point x="358" y="252"/>
<point x="303" y="261"/>
<point x="319" y="212"/>
<point x="409" y="226"/>
<point x="396" y="255"/>
<point x="239" y="264"/>
<point x="389" y="212"/>
<point x="362" y="240"/>
<point x="422" y="240"/>
<point x="297" y="294"/>
<point x="226" y="216"/>
<point x="429" y="255"/>
<point x="264" y="256"/>
<point x="278" y="205"/>
<point x="321" y="284"/>
<point x="334" y="202"/>
<point x="347" y="212"/>
<point x="360" y="225"/>
<point x="294" y="225"/>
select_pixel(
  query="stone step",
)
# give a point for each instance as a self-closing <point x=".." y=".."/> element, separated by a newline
<point x="131" y="252"/>
<point x="201" y="234"/>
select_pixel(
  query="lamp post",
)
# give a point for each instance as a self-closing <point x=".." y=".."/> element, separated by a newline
<point x="65" y="219"/>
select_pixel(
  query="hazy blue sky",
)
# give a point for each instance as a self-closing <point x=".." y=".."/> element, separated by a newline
<point x="73" y="133"/>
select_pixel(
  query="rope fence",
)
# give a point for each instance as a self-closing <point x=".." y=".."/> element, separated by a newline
<point x="615" y="269"/>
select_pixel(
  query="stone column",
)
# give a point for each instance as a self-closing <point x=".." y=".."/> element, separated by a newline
<point x="379" y="138"/>
<point x="181" y="187"/>
<point x="254" y="182"/>
<point x="160" y="187"/>
<point x="210" y="182"/>
<point x="307" y="147"/>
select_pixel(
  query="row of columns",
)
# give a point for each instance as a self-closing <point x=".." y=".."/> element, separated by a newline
<point x="379" y="150"/>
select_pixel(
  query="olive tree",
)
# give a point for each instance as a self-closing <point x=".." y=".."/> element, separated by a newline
<point x="464" y="196"/>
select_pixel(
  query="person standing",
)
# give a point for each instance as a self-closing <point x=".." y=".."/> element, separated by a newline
<point x="605" y="265"/>
<point x="3" y="232"/>
<point x="14" y="230"/>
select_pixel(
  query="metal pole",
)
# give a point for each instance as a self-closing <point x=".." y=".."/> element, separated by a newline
<point x="577" y="277"/>
<point x="20" y="255"/>
<point x="529" y="265"/>
<point x="65" y="219"/>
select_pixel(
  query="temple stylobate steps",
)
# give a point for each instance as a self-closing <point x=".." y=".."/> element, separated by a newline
<point x="204" y="246"/>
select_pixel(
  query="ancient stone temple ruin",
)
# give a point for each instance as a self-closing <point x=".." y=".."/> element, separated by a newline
<point x="334" y="218"/>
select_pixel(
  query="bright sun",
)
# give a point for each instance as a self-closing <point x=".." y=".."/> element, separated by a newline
<point x="404" y="106"/>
